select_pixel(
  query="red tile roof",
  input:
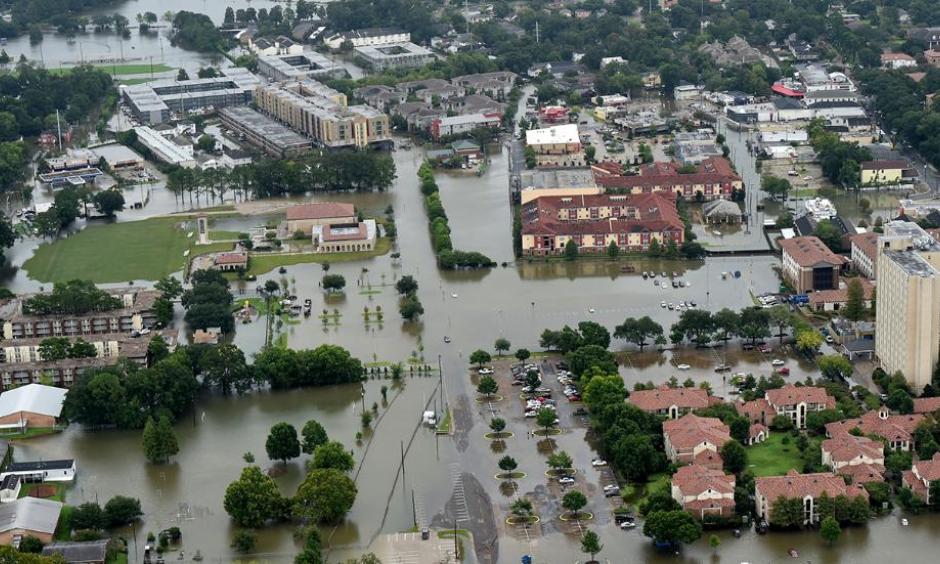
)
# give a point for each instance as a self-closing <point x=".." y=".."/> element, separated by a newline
<point x="810" y="251"/>
<point x="926" y="405"/>
<point x="756" y="429"/>
<point x="714" y="170"/>
<point x="796" y="485"/>
<point x="792" y="395"/>
<point x="690" y="430"/>
<point x="708" y="459"/>
<point x="861" y="474"/>
<point x="841" y="295"/>
<point x="231" y="258"/>
<point x="695" y="480"/>
<point x="929" y="469"/>
<point x="664" y="397"/>
<point x="652" y="213"/>
<point x="866" y="243"/>
<point x="320" y="210"/>
<point x="756" y="411"/>
<point x="845" y="448"/>
<point x="892" y="428"/>
<point x="331" y="233"/>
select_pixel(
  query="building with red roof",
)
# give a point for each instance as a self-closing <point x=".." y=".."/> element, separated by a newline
<point x="796" y="402"/>
<point x="859" y="457"/>
<point x="714" y="179"/>
<point x="897" y="430"/>
<point x="704" y="491"/>
<point x="593" y="222"/>
<point x="806" y="487"/>
<point x="671" y="402"/>
<point x="690" y="435"/>
<point x="304" y="217"/>
<point x="926" y="406"/>
<point x="808" y="264"/>
<point x="921" y="474"/>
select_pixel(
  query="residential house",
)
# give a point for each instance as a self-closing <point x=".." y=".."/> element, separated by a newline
<point x="231" y="262"/>
<point x="757" y="411"/>
<point x="895" y="61"/>
<point x="808" y="264"/>
<point x="796" y="402"/>
<point x="897" y="430"/>
<point x="671" y="402"/>
<point x="33" y="405"/>
<point x="714" y="179"/>
<point x="933" y="57"/>
<point x="42" y="471"/>
<point x="806" y="487"/>
<point x="860" y="458"/>
<point x="304" y="217"/>
<point x="704" y="492"/>
<point x="594" y="222"/>
<point x="689" y="435"/>
<point x="884" y="172"/>
<point x="381" y="97"/>
<point x="74" y="552"/>
<point x="28" y="516"/>
<point x="865" y="254"/>
<point x="921" y="475"/>
<point x="757" y="433"/>
<point x="474" y="104"/>
<point x="495" y="84"/>
<point x="437" y="95"/>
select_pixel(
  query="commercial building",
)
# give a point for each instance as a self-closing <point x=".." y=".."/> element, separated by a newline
<point x="805" y="487"/>
<point x="693" y="147"/>
<point x="556" y="182"/>
<point x="689" y="436"/>
<point x="263" y="132"/>
<point x="908" y="304"/>
<point x="321" y="113"/>
<point x="297" y="66"/>
<point x="33" y="405"/>
<point x="809" y="265"/>
<point x="345" y="237"/>
<point x="75" y="552"/>
<point x="164" y="149"/>
<point x="156" y="102"/>
<point x="632" y="222"/>
<point x="884" y="172"/>
<point x="556" y="140"/>
<point x="404" y="55"/>
<point x="304" y="217"/>
<point x="28" y="517"/>
<point x="456" y="125"/>
<point x="796" y="402"/>
<point x="865" y="254"/>
<point x="714" y="179"/>
<point x="704" y="492"/>
<point x="815" y="77"/>
<point x="368" y="36"/>
<point x="671" y="402"/>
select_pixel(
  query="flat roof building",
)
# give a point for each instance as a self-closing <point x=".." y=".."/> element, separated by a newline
<point x="308" y="64"/>
<point x="368" y="36"/>
<point x="556" y="182"/>
<point x="166" y="149"/>
<point x="403" y="54"/>
<point x="28" y="516"/>
<point x="263" y="132"/>
<point x="156" y="102"/>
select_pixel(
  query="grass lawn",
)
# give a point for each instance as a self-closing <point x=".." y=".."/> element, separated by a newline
<point x="132" y="82"/>
<point x="117" y="70"/>
<point x="63" y="529"/>
<point x="117" y="558"/>
<point x="30" y="433"/>
<point x="635" y="493"/>
<point x="773" y="458"/>
<point x="117" y="252"/>
<point x="261" y="263"/>
<point x="59" y="491"/>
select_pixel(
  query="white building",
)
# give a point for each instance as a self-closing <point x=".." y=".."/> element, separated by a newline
<point x="165" y="149"/>
<point x="42" y="471"/>
<point x="370" y="36"/>
<point x="455" y="125"/>
<point x="819" y="208"/>
<point x="895" y="61"/>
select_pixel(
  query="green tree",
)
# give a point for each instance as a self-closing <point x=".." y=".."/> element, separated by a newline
<point x="244" y="541"/>
<point x="108" y="202"/>
<point x="54" y="348"/>
<point x="88" y="516"/>
<point x="573" y="502"/>
<point x="808" y="341"/>
<point x="502" y="345"/>
<point x="159" y="440"/>
<point x="507" y="464"/>
<point x="829" y="234"/>
<point x="313" y="435"/>
<point x="224" y="367"/>
<point x="82" y="349"/>
<point x="835" y="366"/>
<point x="591" y="356"/>
<point x="497" y="424"/>
<point x="714" y="542"/>
<point x="410" y="308"/>
<point x="406" y="285"/>
<point x="333" y="455"/>
<point x="854" y="309"/>
<point x="522" y="355"/>
<point x="487" y="386"/>
<point x="282" y="443"/>
<point x="122" y="510"/>
<point x="28" y="545"/>
<point x="602" y="391"/>
<point x="638" y="331"/>
<point x="613" y="251"/>
<point x="480" y="357"/>
<point x="830" y="530"/>
<point x="333" y="283"/>
<point x="545" y="417"/>
<point x="253" y="499"/>
<point x="521" y="507"/>
<point x="560" y="460"/>
<point x="591" y="544"/>
<point x="325" y="496"/>
<point x="571" y="250"/>
<point x="674" y="527"/>
<point x="734" y="456"/>
<point x="776" y="187"/>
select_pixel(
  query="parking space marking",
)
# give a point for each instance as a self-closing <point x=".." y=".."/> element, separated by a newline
<point x="462" y="512"/>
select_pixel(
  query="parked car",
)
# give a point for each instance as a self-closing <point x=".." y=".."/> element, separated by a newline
<point x="611" y="492"/>
<point x="777" y="362"/>
<point x="566" y="480"/>
<point x="485" y="371"/>
<point x="597" y="463"/>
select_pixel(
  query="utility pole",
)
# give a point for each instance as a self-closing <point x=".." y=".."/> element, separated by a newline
<point x="414" y="511"/>
<point x="440" y="384"/>
<point x="536" y="31"/>
<point x="403" y="463"/>
<point x="456" y="552"/>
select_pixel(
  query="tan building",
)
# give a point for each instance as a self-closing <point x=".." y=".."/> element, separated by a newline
<point x="704" y="492"/>
<point x="556" y="182"/>
<point x="32" y="405"/>
<point x="883" y="172"/>
<point x="671" y="402"/>
<point x="305" y="217"/>
<point x="805" y="487"/>
<point x="135" y="314"/>
<point x="808" y="264"/>
<point x="345" y="237"/>
<point x="690" y="435"/>
<point x="896" y="430"/>
<point x="921" y="474"/>
<point x="28" y="516"/>
<point x="865" y="254"/>
<point x="321" y="113"/>
<point x="908" y="304"/>
<point x="556" y="140"/>
<point x="796" y="402"/>
<point x="858" y="457"/>
<point x="933" y="57"/>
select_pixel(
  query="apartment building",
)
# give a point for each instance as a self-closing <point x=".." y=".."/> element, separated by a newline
<point x="368" y="36"/>
<point x="908" y="304"/>
<point x="136" y="314"/>
<point x="896" y="430"/>
<point x="884" y="172"/>
<point x="632" y="222"/>
<point x="806" y="487"/>
<point x="321" y="113"/>
<point x="455" y="125"/>
<point x="671" y="402"/>
<point x="689" y="436"/>
<point x="796" y="402"/>
<point x="264" y="133"/>
<point x="860" y="458"/>
<point x="919" y="477"/>
<point x="865" y="254"/>
<point x="808" y="264"/>
<point x="704" y="492"/>
<point x="298" y="66"/>
<point x="714" y="179"/>
<point x="403" y="55"/>
<point x="156" y="102"/>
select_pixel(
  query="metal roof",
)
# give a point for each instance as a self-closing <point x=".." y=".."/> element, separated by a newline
<point x="30" y="514"/>
<point x="34" y="398"/>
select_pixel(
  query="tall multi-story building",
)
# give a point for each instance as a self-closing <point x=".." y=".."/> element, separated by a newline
<point x="157" y="102"/>
<point x="908" y="306"/>
<point x="321" y="113"/>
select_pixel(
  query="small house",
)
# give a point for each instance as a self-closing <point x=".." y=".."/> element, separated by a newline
<point x="28" y="516"/>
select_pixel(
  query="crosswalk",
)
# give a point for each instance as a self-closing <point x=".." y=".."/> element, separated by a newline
<point x="460" y="498"/>
<point x="409" y="549"/>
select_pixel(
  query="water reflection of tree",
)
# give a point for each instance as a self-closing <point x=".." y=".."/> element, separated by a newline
<point x="546" y="446"/>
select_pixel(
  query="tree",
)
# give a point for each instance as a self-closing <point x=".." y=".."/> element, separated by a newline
<point x="808" y="341"/>
<point x="313" y="435"/>
<point x="776" y="187"/>
<point x="835" y="366"/>
<point x="591" y="356"/>
<point x="333" y="283"/>
<point x="82" y="349"/>
<point x="244" y="541"/>
<point x="333" y="455"/>
<point x="734" y="457"/>
<point x="590" y="543"/>
<point x="507" y="464"/>
<point x="480" y="357"/>
<point x="522" y="355"/>
<point x="224" y="366"/>
<point x="714" y="542"/>
<point x="497" y="424"/>
<point x="637" y="331"/>
<point x="406" y="285"/>
<point x="325" y="496"/>
<point x="571" y="250"/>
<point x="282" y="443"/>
<point x="593" y="333"/>
<point x="674" y="527"/>
<point x="613" y="251"/>
<point x="108" y="202"/>
<point x="54" y="348"/>
<point x="560" y="460"/>
<point x="171" y="287"/>
<point x="182" y="75"/>
<point x="487" y="386"/>
<point x="159" y="440"/>
<point x="602" y="391"/>
<point x="253" y="499"/>
<point x="829" y="234"/>
<point x="121" y="510"/>
<point x="854" y="309"/>
<point x="545" y="417"/>
<point x="781" y="317"/>
<point x="88" y="516"/>
<point x="501" y="345"/>
<point x="574" y="501"/>
<point x="830" y="530"/>
<point x="521" y="507"/>
<point x="410" y="308"/>
<point x="29" y="545"/>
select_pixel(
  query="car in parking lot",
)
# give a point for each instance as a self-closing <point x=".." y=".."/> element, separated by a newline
<point x="597" y="463"/>
<point x="566" y="480"/>
<point x="485" y="371"/>
<point x="613" y="492"/>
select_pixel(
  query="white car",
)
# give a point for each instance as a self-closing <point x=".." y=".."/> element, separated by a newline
<point x="597" y="463"/>
<point x="662" y="304"/>
<point x="777" y="362"/>
<point x="627" y="525"/>
<point x="683" y="367"/>
<point x="486" y="371"/>
<point x="610" y="487"/>
<point x="532" y="413"/>
<point x="566" y="480"/>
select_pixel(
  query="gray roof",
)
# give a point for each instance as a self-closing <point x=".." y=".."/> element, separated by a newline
<point x="30" y="514"/>
<point x="90" y="551"/>
<point x="34" y="398"/>
<point x="721" y="207"/>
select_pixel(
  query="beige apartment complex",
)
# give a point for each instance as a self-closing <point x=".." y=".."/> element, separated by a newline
<point x="908" y="306"/>
<point x="322" y="113"/>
